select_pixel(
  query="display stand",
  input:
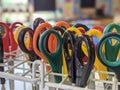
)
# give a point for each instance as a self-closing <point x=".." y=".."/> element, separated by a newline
<point x="38" y="77"/>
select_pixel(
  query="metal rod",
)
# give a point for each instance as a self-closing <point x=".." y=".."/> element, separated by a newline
<point x="15" y="66"/>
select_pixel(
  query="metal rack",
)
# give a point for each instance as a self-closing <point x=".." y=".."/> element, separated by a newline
<point x="39" y="78"/>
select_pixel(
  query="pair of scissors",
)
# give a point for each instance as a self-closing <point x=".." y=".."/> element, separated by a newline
<point x="8" y="38"/>
<point x="98" y="65"/>
<point x="108" y="46"/>
<point x="109" y="57"/>
<point x="77" y="71"/>
<point x="37" y="33"/>
<point x="32" y="55"/>
<point x="1" y="59"/>
<point x="78" y="33"/>
<point x="54" y="58"/>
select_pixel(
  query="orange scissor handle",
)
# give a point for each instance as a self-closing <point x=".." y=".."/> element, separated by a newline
<point x="35" y="39"/>
<point x="63" y="23"/>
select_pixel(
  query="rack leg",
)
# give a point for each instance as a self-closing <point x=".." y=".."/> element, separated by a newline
<point x="3" y="87"/>
<point x="11" y="82"/>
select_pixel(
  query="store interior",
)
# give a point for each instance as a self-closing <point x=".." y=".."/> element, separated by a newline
<point x="101" y="11"/>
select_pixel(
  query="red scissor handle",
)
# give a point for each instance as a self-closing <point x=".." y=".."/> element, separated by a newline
<point x="13" y="43"/>
<point x="5" y="38"/>
<point x="100" y="28"/>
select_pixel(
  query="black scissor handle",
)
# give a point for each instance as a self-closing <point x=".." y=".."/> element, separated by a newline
<point x="21" y="43"/>
<point x="69" y="38"/>
<point x="81" y="25"/>
<point x="83" y="71"/>
<point x="37" y="21"/>
<point x="1" y="58"/>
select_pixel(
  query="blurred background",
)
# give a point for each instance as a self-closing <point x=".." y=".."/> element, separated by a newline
<point x="88" y="12"/>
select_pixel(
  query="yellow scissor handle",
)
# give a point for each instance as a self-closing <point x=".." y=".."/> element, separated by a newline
<point x="98" y="65"/>
<point x="16" y="32"/>
<point x="77" y="31"/>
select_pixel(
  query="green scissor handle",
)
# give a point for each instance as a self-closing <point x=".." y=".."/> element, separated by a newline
<point x="107" y="61"/>
<point x="111" y="26"/>
<point x="108" y="47"/>
<point x="55" y="59"/>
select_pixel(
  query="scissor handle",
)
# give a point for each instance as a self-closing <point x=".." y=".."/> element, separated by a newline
<point x="75" y="30"/>
<point x="95" y="32"/>
<point x="35" y="38"/>
<point x="38" y="21"/>
<point x="62" y="23"/>
<point x="1" y="58"/>
<point x="60" y="29"/>
<point x="81" y="25"/>
<point x="100" y="55"/>
<point x="111" y="26"/>
<point x="83" y="71"/>
<point x="52" y="40"/>
<point x="14" y="24"/>
<point x="6" y="28"/>
<point x="82" y="30"/>
<point x="21" y="43"/>
<point x="55" y="58"/>
<point x="98" y="27"/>
<point x="69" y="39"/>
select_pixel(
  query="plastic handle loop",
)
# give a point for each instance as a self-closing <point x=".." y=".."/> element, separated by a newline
<point x="36" y="22"/>
<point x="102" y="41"/>
<point x="12" y="26"/>
<point x="98" y="65"/>
<point x="55" y="59"/>
<point x="1" y="59"/>
<point x="36" y="37"/>
<point x="83" y="71"/>
<point x="69" y="61"/>
<point x="82" y="26"/>
<point x="52" y="40"/>
<point x="62" y="23"/>
<point x="100" y="28"/>
<point x="21" y="43"/>
<point x="109" y="28"/>
<point x="5" y="37"/>
<point x="75" y="30"/>
<point x="16" y="32"/>
<point x="114" y="65"/>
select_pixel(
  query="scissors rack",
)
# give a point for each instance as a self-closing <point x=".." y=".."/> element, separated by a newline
<point x="38" y="77"/>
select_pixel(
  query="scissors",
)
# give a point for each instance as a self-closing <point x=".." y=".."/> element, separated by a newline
<point x="32" y="55"/>
<point x="78" y="33"/>
<point x="98" y="65"/>
<point x="108" y="46"/>
<point x="1" y="59"/>
<point x="36" y="38"/>
<point x="75" y="65"/>
<point x="8" y="38"/>
<point x="55" y="58"/>
<point x="109" y="61"/>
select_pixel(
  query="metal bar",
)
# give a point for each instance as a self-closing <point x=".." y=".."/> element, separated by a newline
<point x="15" y="66"/>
